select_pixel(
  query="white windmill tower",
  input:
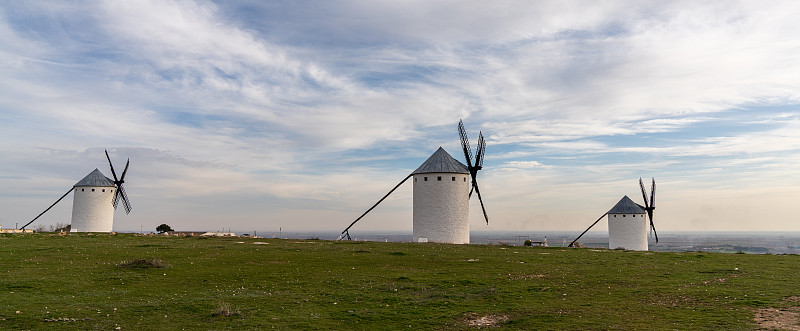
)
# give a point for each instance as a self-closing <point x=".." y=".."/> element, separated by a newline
<point x="441" y="195"/>
<point x="92" y="204"/>
<point x="96" y="197"/>
<point x="441" y="200"/>
<point x="627" y="222"/>
<point x="627" y="226"/>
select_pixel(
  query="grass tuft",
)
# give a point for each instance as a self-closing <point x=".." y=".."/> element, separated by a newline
<point x="143" y="264"/>
<point x="227" y="310"/>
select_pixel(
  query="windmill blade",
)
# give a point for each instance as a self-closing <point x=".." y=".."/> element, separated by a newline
<point x="473" y="171"/>
<point x="652" y="225"/>
<point x="125" y="202"/>
<point x="653" y="195"/>
<point x="122" y="178"/>
<point x="117" y="195"/>
<point x="651" y="206"/>
<point x="475" y="185"/>
<point x="48" y="208"/>
<point x="474" y="175"/>
<point x="481" y="150"/>
<point x="465" y="144"/>
<point x="584" y="231"/>
<point x="345" y="232"/>
<point x="112" y="166"/>
<point x="115" y="201"/>
<point x="644" y="194"/>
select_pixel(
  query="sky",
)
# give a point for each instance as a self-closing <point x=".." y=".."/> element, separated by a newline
<point x="300" y="115"/>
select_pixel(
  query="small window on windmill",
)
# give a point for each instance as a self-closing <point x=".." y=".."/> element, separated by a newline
<point x="92" y="190"/>
<point x="415" y="179"/>
<point x="425" y="178"/>
<point x="104" y="190"/>
<point x="465" y="178"/>
<point x="454" y="178"/>
<point x="623" y="215"/>
<point x="83" y="190"/>
<point x="439" y="178"/>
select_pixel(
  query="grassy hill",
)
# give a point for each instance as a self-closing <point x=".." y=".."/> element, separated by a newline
<point x="133" y="282"/>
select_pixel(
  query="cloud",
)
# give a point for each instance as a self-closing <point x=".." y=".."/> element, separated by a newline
<point x="526" y="165"/>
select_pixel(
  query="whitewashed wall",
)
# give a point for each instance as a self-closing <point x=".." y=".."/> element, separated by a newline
<point x="441" y="208"/>
<point x="628" y="231"/>
<point x="92" y="211"/>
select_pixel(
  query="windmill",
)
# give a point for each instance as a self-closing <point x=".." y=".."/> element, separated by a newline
<point x="624" y="228"/>
<point x="473" y="170"/>
<point x="96" y="197"/>
<point x="441" y="195"/>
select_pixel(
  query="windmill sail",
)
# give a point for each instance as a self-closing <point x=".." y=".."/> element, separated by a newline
<point x="465" y="143"/>
<point x="478" y="165"/>
<point x="650" y="206"/>
<point x="120" y="189"/>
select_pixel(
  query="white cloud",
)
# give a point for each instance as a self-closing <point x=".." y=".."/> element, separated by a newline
<point x="526" y="165"/>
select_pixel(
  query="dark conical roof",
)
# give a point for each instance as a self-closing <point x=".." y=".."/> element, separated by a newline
<point x="441" y="161"/>
<point x="626" y="206"/>
<point x="96" y="179"/>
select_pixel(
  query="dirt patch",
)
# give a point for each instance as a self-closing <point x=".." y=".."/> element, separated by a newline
<point x="778" y="318"/>
<point x="491" y="320"/>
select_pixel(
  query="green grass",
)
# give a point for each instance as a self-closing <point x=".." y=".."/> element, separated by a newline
<point x="102" y="281"/>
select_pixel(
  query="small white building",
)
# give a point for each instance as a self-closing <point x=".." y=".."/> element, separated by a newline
<point x="92" y="208"/>
<point x="441" y="200"/>
<point x="627" y="226"/>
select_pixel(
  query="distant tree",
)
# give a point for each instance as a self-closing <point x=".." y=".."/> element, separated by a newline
<point x="61" y="227"/>
<point x="528" y="242"/>
<point x="163" y="228"/>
